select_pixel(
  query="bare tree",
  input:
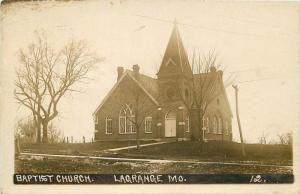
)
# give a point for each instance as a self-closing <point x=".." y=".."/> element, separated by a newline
<point x="204" y="88"/>
<point x="25" y="130"/>
<point x="54" y="135"/>
<point x="140" y="111"/>
<point x="281" y="138"/>
<point x="285" y="138"/>
<point x="46" y="76"/>
<point x="134" y="96"/>
<point x="263" y="138"/>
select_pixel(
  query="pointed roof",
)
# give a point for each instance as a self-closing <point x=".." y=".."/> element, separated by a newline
<point x="175" y="59"/>
<point x="148" y="85"/>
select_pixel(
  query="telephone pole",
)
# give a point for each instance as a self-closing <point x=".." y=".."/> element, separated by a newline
<point x="238" y="118"/>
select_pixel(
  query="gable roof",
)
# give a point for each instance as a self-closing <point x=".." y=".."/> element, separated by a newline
<point x="225" y="94"/>
<point x="206" y="78"/>
<point x="176" y="54"/>
<point x="147" y="84"/>
<point x="150" y="86"/>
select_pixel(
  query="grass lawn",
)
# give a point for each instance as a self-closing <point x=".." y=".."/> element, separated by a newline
<point x="185" y="150"/>
<point x="117" y="167"/>
<point x="77" y="148"/>
<point x="267" y="154"/>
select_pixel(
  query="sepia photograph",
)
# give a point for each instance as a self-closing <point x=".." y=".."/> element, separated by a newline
<point x="150" y="92"/>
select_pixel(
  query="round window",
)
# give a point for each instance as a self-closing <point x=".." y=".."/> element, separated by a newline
<point x="170" y="93"/>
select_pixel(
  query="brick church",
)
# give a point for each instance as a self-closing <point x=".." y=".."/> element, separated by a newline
<point x="139" y="106"/>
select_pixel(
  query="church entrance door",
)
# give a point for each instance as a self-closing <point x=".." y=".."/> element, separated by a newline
<point x="170" y="124"/>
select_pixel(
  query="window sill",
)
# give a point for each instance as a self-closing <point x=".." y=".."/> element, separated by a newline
<point x="127" y="133"/>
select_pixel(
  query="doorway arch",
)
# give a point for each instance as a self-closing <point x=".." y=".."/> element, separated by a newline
<point x="170" y="124"/>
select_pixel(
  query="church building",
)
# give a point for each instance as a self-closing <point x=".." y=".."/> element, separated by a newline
<point x="147" y="108"/>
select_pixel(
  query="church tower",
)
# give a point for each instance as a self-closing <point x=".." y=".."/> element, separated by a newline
<point x="175" y="73"/>
<point x="175" y="78"/>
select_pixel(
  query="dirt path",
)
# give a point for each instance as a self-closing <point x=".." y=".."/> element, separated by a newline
<point x="132" y="147"/>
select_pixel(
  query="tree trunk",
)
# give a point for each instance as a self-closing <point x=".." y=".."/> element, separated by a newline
<point x="137" y="138"/>
<point x="37" y="124"/>
<point x="223" y="146"/>
<point x="45" y="132"/>
<point x="138" y="144"/>
<point x="38" y="129"/>
<point x="199" y="123"/>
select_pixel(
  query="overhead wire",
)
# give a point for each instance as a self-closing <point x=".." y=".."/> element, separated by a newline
<point x="217" y="30"/>
<point x="204" y="27"/>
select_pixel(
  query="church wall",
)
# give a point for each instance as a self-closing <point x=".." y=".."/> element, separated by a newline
<point x="219" y="109"/>
<point x="175" y="80"/>
<point x="123" y="95"/>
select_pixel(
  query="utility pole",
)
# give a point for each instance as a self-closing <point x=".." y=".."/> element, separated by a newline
<point x="238" y="118"/>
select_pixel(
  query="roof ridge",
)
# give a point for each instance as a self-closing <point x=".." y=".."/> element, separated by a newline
<point x="148" y="76"/>
<point x="128" y="73"/>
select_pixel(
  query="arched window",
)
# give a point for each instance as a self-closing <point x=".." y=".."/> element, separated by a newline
<point x="148" y="124"/>
<point x="226" y="128"/>
<point x="204" y="124"/>
<point x="127" y="119"/>
<point x="207" y="124"/>
<point x="220" y="125"/>
<point x="171" y="115"/>
<point x="215" y="127"/>
<point x="187" y="124"/>
<point x="108" y="125"/>
<point x="170" y="93"/>
<point x="122" y="121"/>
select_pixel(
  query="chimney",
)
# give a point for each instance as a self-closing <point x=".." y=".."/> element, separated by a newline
<point x="221" y="73"/>
<point x="213" y="69"/>
<point x="120" y="72"/>
<point x="136" y="71"/>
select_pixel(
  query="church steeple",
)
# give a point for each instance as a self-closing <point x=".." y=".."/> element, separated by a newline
<point x="175" y="60"/>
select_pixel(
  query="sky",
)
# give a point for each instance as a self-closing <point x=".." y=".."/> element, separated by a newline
<point x="257" y="43"/>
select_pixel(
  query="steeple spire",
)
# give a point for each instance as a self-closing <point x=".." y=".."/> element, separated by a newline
<point x="175" y="22"/>
<point x="175" y="59"/>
